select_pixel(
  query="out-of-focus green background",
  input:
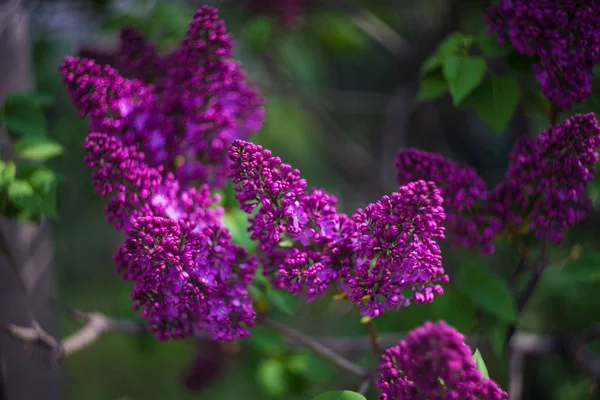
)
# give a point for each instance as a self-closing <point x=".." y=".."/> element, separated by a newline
<point x="340" y="88"/>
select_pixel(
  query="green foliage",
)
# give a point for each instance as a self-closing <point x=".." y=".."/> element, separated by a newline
<point x="23" y="116"/>
<point x="480" y="364"/>
<point x="339" y="33"/>
<point x="259" y="31"/>
<point x="490" y="47"/>
<point x="585" y="268"/>
<point x="487" y="290"/>
<point x="463" y="74"/>
<point x="340" y="395"/>
<point x="432" y="86"/>
<point x="496" y="100"/>
<point x="455" y="308"/>
<point x="39" y="149"/>
<point x="271" y="377"/>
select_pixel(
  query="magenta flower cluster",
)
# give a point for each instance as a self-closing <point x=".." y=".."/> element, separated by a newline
<point x="154" y="147"/>
<point x="462" y="190"/>
<point x="433" y="362"/>
<point x="544" y="189"/>
<point x="563" y="35"/>
<point x="384" y="250"/>
<point x="185" y="108"/>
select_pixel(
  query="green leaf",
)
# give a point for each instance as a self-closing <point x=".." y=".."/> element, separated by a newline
<point x="7" y="173"/>
<point x="23" y="116"/>
<point x="586" y="268"/>
<point x="487" y="290"/>
<point x="432" y="87"/>
<point x="454" y="308"/>
<point x="23" y="195"/>
<point x="520" y="62"/>
<point x="490" y="47"/>
<point x="431" y="64"/>
<point x="496" y="101"/>
<point x="455" y="43"/>
<point x="480" y="364"/>
<point x="270" y="375"/>
<point x="283" y="301"/>
<point x="464" y="75"/>
<point x="258" y="31"/>
<point x="340" y="395"/>
<point x="340" y="33"/>
<point x="38" y="149"/>
<point x="43" y="181"/>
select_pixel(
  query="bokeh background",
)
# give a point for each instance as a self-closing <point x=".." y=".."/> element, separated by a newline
<point x="340" y="80"/>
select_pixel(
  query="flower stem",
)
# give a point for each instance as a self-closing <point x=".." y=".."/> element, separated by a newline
<point x="374" y="338"/>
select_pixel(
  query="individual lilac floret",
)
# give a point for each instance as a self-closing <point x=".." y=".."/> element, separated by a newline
<point x="547" y="178"/>
<point x="396" y="250"/>
<point x="187" y="279"/>
<point x="433" y="362"/>
<point x="563" y="35"/>
<point x="463" y="191"/>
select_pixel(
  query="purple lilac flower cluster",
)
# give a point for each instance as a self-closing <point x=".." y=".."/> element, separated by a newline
<point x="382" y="251"/>
<point x="545" y="185"/>
<point x="544" y="189"/>
<point x="563" y="35"/>
<point x="463" y="192"/>
<point x="433" y="362"/>
<point x="185" y="110"/>
<point x="187" y="274"/>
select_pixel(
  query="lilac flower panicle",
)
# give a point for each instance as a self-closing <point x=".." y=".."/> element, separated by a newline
<point x="463" y="191"/>
<point x="563" y="35"/>
<point x="396" y="250"/>
<point x="101" y="93"/>
<point x="195" y="101"/>
<point x="187" y="279"/>
<point x="433" y="362"/>
<point x="545" y="185"/>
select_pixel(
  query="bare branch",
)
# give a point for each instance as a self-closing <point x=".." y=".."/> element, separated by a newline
<point x="315" y="346"/>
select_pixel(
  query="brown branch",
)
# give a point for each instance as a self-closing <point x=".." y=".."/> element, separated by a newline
<point x="315" y="346"/>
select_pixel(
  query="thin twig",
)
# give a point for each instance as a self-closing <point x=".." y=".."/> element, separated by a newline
<point x="315" y="346"/>
<point x="538" y="266"/>
<point x="374" y="340"/>
<point x="364" y="386"/>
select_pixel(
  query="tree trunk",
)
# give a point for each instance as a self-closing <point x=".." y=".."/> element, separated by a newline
<point x="25" y="374"/>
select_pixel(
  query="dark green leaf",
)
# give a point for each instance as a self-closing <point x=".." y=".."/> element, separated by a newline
<point x="490" y="47"/>
<point x="520" y="62"/>
<point x="23" y="116"/>
<point x="23" y="195"/>
<point x="43" y="182"/>
<point x="271" y="377"/>
<point x="431" y="64"/>
<point x="339" y="33"/>
<point x="283" y="301"/>
<point x="310" y="366"/>
<point x="454" y="308"/>
<point x="432" y="87"/>
<point x="39" y="149"/>
<point x="496" y="101"/>
<point x="495" y="331"/>
<point x="586" y="268"/>
<point x="258" y="31"/>
<point x="7" y="173"/>
<point x="488" y="291"/>
<point x="478" y="358"/>
<point x="340" y="395"/>
<point x="463" y="74"/>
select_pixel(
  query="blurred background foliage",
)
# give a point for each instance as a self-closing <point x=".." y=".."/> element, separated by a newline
<point x="341" y="82"/>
